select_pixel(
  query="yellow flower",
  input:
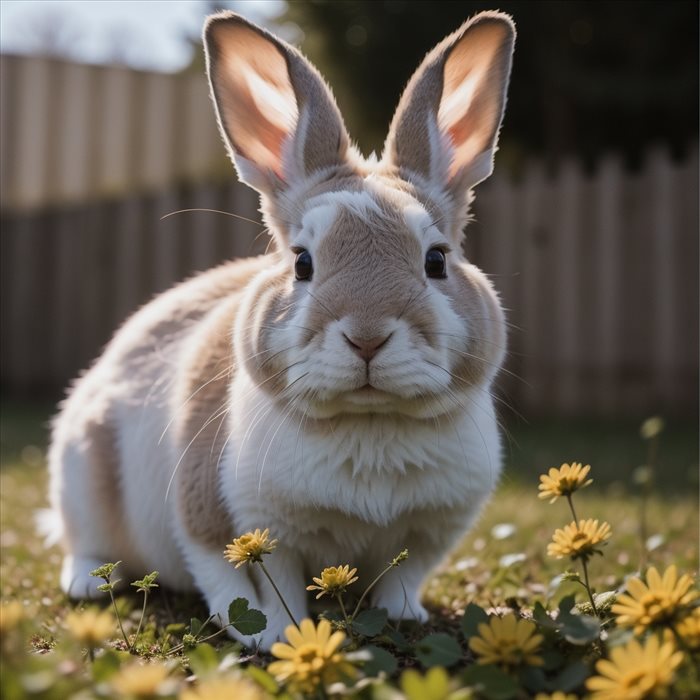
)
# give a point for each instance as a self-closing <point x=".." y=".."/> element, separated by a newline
<point x="11" y="614"/>
<point x="635" y="671"/>
<point x="249" y="547"/>
<point x="658" y="601"/>
<point x="142" y="681"/>
<point x="224" y="688"/>
<point x="651" y="427"/>
<point x="311" y="658"/>
<point x="434" y="685"/>
<point x="556" y="695"/>
<point x="689" y="629"/>
<point x="507" y="641"/>
<point x="563" y="481"/>
<point x="578" y="541"/>
<point x="334" y="580"/>
<point x="90" y="627"/>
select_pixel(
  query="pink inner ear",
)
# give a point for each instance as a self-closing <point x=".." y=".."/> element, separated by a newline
<point x="257" y="102"/>
<point x="471" y="103"/>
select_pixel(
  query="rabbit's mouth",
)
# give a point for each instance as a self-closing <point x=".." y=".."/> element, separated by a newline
<point x="369" y="395"/>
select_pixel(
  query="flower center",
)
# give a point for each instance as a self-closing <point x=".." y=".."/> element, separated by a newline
<point x="579" y="540"/>
<point x="657" y="606"/>
<point x="639" y="679"/>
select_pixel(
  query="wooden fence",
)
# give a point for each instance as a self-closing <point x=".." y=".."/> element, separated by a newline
<point x="72" y="133"/>
<point x="599" y="274"/>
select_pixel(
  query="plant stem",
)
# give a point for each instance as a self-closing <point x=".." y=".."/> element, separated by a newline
<point x="119" y="620"/>
<point x="143" y="613"/>
<point x="588" y="587"/>
<point x="279" y="595"/>
<point x="348" y="623"/>
<point x="686" y="650"/>
<point x="571" y="505"/>
<point x="646" y="489"/>
<point x="368" y="589"/>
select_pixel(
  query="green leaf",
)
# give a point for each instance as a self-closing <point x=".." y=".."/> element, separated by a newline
<point x="553" y="659"/>
<point x="105" y="571"/>
<point x="147" y="582"/>
<point x="438" y="650"/>
<point x="369" y="623"/>
<point x="245" y="620"/>
<point x="578" y="629"/>
<point x="263" y="679"/>
<point x="491" y="682"/>
<point x="382" y="661"/>
<point x="472" y="618"/>
<point x="566" y="604"/>
<point x="195" y="626"/>
<point x="533" y="679"/>
<point x="571" y="677"/>
<point x="203" y="659"/>
<point x="107" y="664"/>
<point x="542" y="618"/>
<point x="396" y="639"/>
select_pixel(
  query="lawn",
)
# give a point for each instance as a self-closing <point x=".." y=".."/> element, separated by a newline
<point x="502" y="565"/>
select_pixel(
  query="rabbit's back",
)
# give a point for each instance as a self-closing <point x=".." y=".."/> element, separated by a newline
<point x="115" y="441"/>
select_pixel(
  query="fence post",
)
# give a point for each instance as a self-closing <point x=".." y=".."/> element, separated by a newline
<point x="606" y="287"/>
<point x="664" y="304"/>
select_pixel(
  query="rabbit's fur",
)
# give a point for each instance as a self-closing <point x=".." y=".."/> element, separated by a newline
<point x="350" y="413"/>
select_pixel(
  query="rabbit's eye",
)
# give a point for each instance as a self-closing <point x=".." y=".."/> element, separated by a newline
<point x="303" y="267"/>
<point x="435" y="264"/>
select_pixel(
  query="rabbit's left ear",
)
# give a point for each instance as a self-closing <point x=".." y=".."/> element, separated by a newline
<point x="446" y="126"/>
<point x="278" y="118"/>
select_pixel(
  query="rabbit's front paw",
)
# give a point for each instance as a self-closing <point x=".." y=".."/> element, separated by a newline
<point x="76" y="581"/>
<point x="401" y="606"/>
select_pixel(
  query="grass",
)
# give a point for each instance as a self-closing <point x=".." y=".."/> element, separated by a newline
<point x="501" y="563"/>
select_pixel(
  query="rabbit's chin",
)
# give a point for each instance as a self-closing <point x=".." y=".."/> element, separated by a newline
<point x="369" y="400"/>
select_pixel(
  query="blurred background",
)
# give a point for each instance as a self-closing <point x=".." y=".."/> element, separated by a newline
<point x="589" y="226"/>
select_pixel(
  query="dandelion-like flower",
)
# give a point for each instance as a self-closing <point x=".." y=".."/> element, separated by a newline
<point x="312" y="657"/>
<point x="662" y="599"/>
<point x="435" y="685"/>
<point x="556" y="695"/>
<point x="688" y="629"/>
<point x="635" y="671"/>
<point x="90" y="627"/>
<point x="250" y="547"/>
<point x="652" y="427"/>
<point x="507" y="641"/>
<point x="11" y="614"/>
<point x="563" y="481"/>
<point x="142" y="680"/>
<point x="578" y="540"/>
<point x="334" y="580"/>
<point x="224" y="688"/>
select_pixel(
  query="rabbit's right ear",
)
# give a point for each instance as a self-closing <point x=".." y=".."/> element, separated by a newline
<point x="445" y="129"/>
<point x="278" y="117"/>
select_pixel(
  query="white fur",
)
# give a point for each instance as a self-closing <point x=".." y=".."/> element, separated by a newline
<point x="341" y="472"/>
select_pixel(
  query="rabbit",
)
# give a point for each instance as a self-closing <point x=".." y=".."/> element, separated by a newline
<point x="337" y="390"/>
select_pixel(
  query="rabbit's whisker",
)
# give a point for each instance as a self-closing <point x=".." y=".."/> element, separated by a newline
<point x="213" y="211"/>
<point x="190" y="443"/>
<point x="219" y="375"/>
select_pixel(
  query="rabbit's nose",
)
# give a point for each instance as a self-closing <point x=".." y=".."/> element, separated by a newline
<point x="367" y="348"/>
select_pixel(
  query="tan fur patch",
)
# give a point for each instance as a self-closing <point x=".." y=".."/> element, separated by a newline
<point x="206" y="372"/>
<point x="103" y="456"/>
<point x="210" y="369"/>
<point x="475" y="301"/>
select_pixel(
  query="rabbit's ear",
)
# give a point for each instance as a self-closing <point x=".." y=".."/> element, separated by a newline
<point x="276" y="114"/>
<point x="446" y="125"/>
